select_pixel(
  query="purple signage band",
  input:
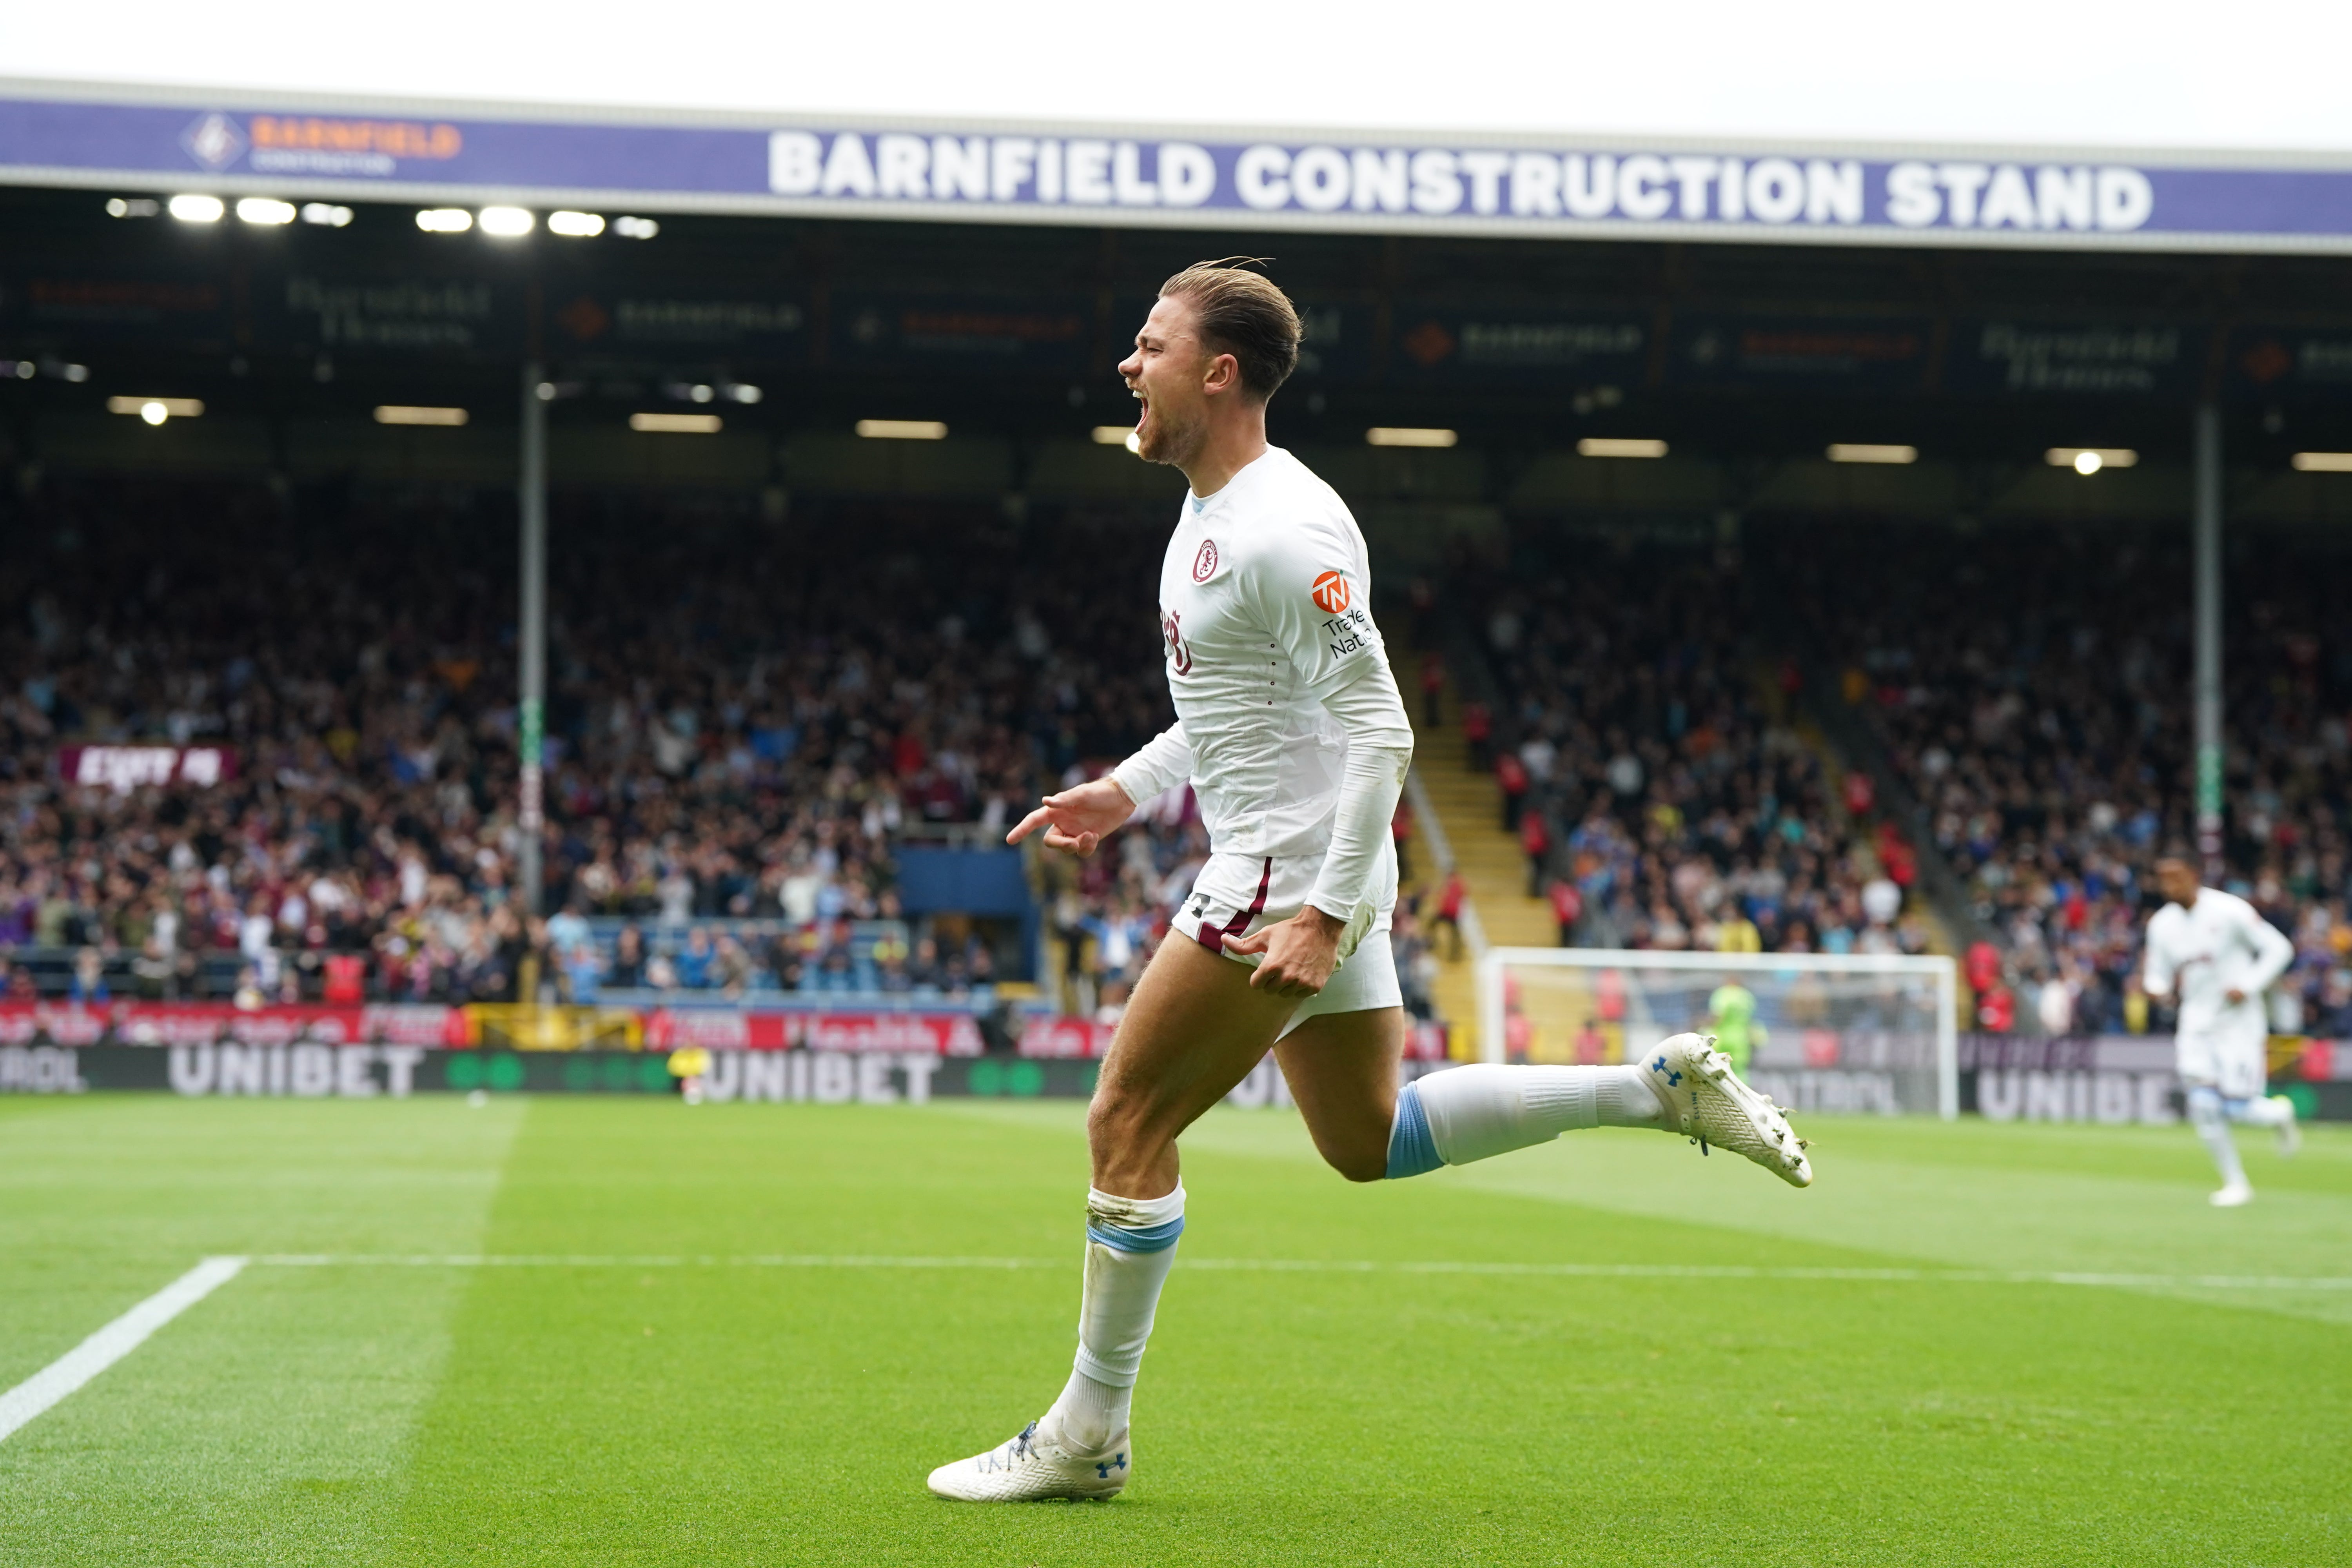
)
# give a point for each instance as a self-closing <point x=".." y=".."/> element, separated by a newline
<point x="1045" y="174"/>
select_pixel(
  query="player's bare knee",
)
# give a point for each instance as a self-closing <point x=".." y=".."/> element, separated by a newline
<point x="1119" y="1131"/>
<point x="1359" y="1165"/>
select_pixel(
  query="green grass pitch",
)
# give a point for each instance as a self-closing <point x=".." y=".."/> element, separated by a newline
<point x="743" y="1410"/>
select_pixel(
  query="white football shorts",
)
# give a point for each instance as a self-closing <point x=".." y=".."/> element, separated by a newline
<point x="2230" y="1060"/>
<point x="1237" y="894"/>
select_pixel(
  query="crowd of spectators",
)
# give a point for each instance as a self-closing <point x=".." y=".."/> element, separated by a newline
<point x="746" y="715"/>
<point x="1649" y="759"/>
<point x="2033" y="689"/>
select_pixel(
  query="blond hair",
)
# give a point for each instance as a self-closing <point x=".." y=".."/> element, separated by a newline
<point x="1242" y="313"/>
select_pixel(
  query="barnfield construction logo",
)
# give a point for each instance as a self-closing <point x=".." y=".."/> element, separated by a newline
<point x="215" y="141"/>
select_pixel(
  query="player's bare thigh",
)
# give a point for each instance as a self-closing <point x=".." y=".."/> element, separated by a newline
<point x="1342" y="1072"/>
<point x="1193" y="1030"/>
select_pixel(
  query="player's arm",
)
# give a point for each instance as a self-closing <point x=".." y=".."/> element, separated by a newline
<point x="2272" y="953"/>
<point x="1077" y="820"/>
<point x="1338" y="654"/>
<point x="2157" y="973"/>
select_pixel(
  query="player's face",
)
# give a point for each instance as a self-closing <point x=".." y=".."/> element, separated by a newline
<point x="2177" y="880"/>
<point x="1167" y="373"/>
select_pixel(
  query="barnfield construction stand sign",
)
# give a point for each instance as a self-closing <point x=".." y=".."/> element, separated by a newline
<point x="1365" y="181"/>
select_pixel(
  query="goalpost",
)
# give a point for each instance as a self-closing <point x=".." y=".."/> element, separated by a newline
<point x="1862" y="1032"/>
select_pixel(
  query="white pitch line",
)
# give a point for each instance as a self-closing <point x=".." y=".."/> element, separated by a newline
<point x="112" y="1343"/>
<point x="1337" y="1266"/>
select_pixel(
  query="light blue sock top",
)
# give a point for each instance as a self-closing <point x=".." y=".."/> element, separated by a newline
<point x="1412" y="1150"/>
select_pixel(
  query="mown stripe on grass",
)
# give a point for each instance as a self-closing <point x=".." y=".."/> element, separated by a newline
<point x="1329" y="1265"/>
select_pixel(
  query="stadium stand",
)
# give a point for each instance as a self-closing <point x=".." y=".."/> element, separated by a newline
<point x="747" y="720"/>
<point x="2029" y="686"/>
<point x="1651" y="760"/>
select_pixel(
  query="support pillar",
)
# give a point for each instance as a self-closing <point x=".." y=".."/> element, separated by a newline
<point x="532" y="641"/>
<point x="2208" y="640"/>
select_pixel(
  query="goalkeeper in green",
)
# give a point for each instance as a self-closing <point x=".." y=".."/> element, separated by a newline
<point x="1731" y="1018"/>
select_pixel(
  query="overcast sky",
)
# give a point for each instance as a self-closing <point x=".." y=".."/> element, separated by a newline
<point x="2264" y="74"/>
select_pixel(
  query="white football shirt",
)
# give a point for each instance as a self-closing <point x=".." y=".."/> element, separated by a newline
<point x="1264" y="609"/>
<point x="2220" y="945"/>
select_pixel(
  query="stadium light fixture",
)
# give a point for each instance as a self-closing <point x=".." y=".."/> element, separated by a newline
<point x="264" y="210"/>
<point x="742" y="392"/>
<point x="1115" y="436"/>
<point x="326" y="215"/>
<point x="902" y="429"/>
<point x="505" y="223"/>
<point x="675" y="424"/>
<point x="1619" y="447"/>
<point x="190" y="208"/>
<point x="2322" y="462"/>
<point x="155" y="410"/>
<point x="1408" y="435"/>
<point x="132" y="207"/>
<point x="2089" y="460"/>
<point x="410" y="414"/>
<point x="635" y="227"/>
<point x="444" y="220"/>
<point x="575" y="225"/>
<point x="1868" y="452"/>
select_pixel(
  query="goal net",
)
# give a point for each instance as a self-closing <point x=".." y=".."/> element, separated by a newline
<point x="1854" y="1032"/>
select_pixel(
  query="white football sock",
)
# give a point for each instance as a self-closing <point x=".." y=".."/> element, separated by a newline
<point x="2205" y="1113"/>
<point x="1484" y="1109"/>
<point x="1130" y="1245"/>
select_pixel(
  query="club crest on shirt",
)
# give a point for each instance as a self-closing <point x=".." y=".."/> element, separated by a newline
<point x="1204" y="565"/>
<point x="1331" y="593"/>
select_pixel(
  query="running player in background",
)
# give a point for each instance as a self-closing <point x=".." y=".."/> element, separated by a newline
<point x="2221" y="955"/>
<point x="1291" y="730"/>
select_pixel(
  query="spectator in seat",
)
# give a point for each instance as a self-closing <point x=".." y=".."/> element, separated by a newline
<point x="628" y="966"/>
<point x="345" y="980"/>
<point x="694" y="961"/>
<point x="88" y="983"/>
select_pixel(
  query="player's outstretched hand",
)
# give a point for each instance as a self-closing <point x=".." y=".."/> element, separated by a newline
<point x="1300" y="953"/>
<point x="1076" y="820"/>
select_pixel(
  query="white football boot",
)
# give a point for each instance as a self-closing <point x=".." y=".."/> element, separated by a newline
<point x="1704" y="1101"/>
<point x="1034" y="1466"/>
<point x="2289" y="1132"/>
<point x="2236" y="1195"/>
